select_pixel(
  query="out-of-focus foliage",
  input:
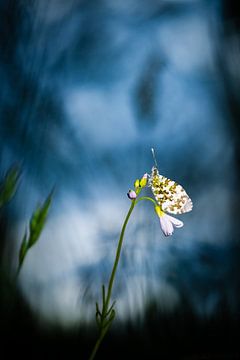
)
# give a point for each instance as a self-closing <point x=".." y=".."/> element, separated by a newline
<point x="9" y="185"/>
<point x="36" y="225"/>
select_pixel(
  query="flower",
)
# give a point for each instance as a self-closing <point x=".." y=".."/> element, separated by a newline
<point x="131" y="194"/>
<point x="167" y="222"/>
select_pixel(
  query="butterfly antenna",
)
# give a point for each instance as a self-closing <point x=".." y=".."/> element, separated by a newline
<point x="154" y="157"/>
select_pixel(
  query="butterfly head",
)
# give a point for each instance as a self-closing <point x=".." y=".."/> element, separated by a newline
<point x="154" y="171"/>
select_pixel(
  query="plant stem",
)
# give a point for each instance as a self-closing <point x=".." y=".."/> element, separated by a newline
<point x="118" y="252"/>
<point x="18" y="271"/>
<point x="103" y="331"/>
<point x="95" y="349"/>
<point x="146" y="198"/>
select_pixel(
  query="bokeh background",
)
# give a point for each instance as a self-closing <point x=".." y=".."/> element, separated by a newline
<point x="87" y="88"/>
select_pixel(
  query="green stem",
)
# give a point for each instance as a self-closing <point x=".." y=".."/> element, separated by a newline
<point x="97" y="344"/>
<point x="118" y="252"/>
<point x="18" y="271"/>
<point x="103" y="331"/>
<point x="20" y="264"/>
<point x="146" y="198"/>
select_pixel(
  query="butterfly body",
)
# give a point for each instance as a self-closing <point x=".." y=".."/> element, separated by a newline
<point x="170" y="196"/>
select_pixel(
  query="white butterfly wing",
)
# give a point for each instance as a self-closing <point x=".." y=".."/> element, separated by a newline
<point x="170" y="196"/>
<point x="179" y="203"/>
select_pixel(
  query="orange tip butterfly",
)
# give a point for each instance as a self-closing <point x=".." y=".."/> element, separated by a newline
<point x="171" y="197"/>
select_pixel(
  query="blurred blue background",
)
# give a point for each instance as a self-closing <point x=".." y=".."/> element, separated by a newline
<point x="88" y="87"/>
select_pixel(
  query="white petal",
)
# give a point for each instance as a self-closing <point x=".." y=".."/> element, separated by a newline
<point x="177" y="223"/>
<point x="166" y="225"/>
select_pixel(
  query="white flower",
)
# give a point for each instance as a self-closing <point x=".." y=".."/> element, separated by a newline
<point x="167" y="222"/>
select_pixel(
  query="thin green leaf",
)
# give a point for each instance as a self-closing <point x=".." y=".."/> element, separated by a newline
<point x="98" y="312"/>
<point x="9" y="185"/>
<point x="111" y="308"/>
<point x="38" y="221"/>
<point x="112" y="315"/>
<point x="103" y="295"/>
<point x="107" y="324"/>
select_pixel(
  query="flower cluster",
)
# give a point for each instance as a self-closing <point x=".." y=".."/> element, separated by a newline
<point x="138" y="186"/>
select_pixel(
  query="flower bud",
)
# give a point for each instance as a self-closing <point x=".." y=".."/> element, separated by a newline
<point x="131" y="194"/>
<point x="137" y="184"/>
<point x="143" y="181"/>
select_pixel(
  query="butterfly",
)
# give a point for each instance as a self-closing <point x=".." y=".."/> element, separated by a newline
<point x="170" y="196"/>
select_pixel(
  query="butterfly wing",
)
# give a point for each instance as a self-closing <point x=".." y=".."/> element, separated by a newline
<point x="170" y="196"/>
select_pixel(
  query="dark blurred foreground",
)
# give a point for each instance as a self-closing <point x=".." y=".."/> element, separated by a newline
<point x="180" y="334"/>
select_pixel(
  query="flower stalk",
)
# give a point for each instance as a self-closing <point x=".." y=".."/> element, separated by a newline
<point x="105" y="317"/>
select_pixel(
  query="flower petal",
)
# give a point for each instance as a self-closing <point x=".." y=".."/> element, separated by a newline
<point x="166" y="225"/>
<point x="177" y="223"/>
